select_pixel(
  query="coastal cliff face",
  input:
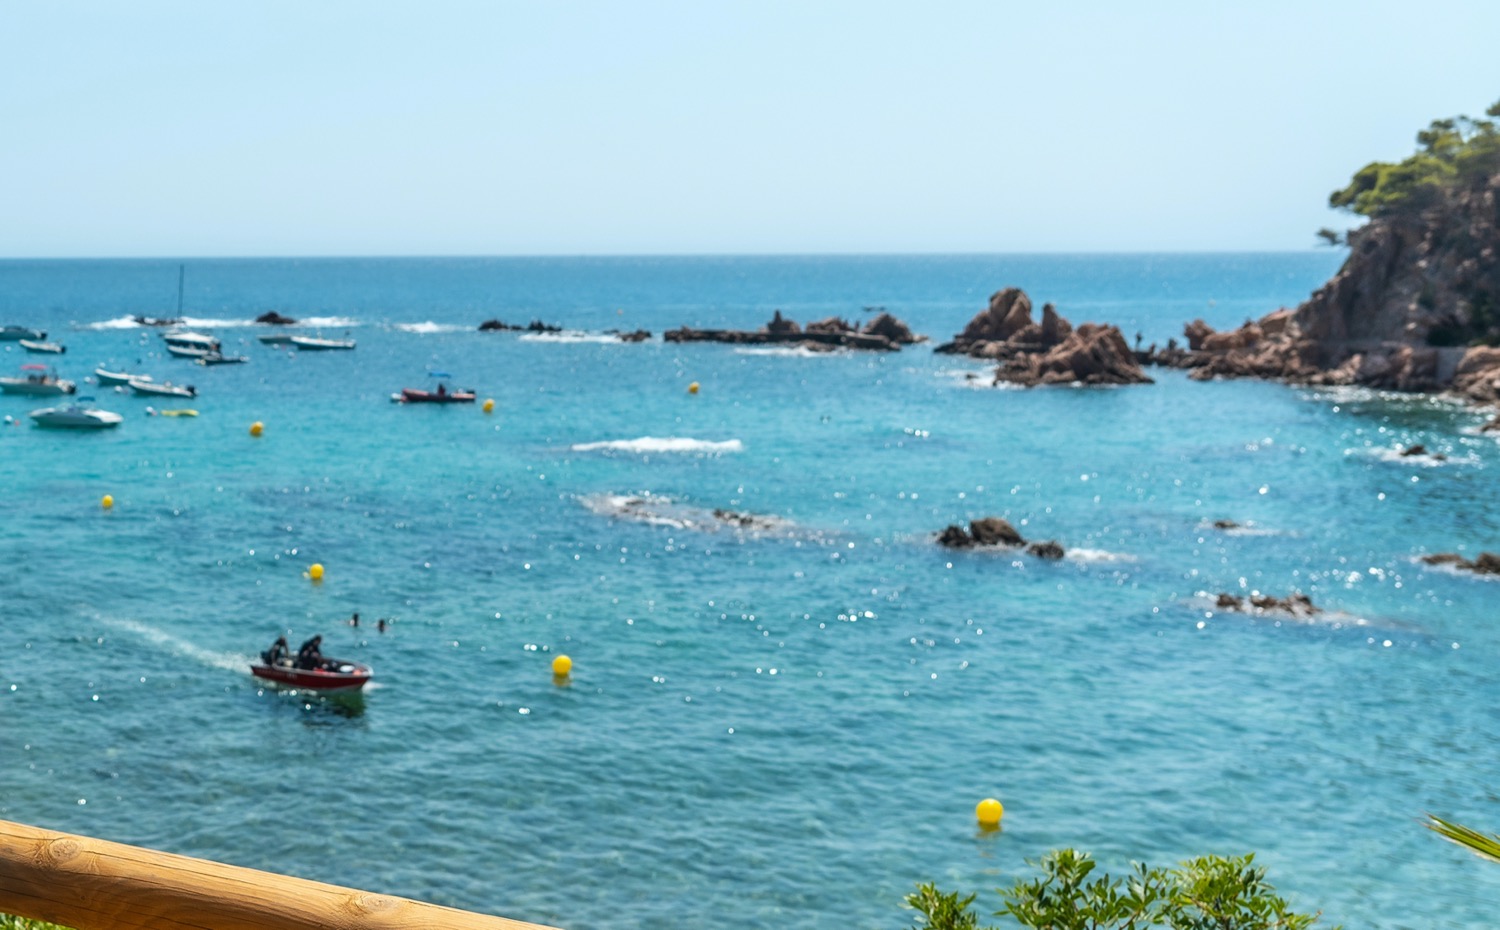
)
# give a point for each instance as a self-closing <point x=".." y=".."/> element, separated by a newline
<point x="1415" y="307"/>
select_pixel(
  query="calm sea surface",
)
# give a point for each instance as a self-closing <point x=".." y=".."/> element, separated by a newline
<point x="783" y="728"/>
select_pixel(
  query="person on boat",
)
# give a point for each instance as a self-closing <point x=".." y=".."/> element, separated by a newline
<point x="279" y="652"/>
<point x="442" y="390"/>
<point x="310" y="655"/>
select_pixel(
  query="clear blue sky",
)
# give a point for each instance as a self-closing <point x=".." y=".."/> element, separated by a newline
<point x="495" y="128"/>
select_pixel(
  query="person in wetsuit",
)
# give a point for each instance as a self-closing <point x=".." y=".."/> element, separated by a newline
<point x="279" y="652"/>
<point x="310" y="655"/>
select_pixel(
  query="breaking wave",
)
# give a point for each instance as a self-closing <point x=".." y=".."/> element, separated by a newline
<point x="650" y="444"/>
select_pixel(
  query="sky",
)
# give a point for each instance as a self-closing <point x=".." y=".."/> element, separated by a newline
<point x="331" y="128"/>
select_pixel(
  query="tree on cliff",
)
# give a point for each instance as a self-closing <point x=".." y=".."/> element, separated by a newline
<point x="1454" y="154"/>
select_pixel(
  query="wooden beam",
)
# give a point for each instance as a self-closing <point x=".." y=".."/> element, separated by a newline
<point x="91" y="884"/>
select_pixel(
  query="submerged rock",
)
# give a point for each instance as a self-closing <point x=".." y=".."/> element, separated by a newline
<point x="955" y="537"/>
<point x="1046" y="550"/>
<point x="1296" y="605"/>
<point x="1487" y="563"/>
<point x="995" y="532"/>
<point x="1226" y="525"/>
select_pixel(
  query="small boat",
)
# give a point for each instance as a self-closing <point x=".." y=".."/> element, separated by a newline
<point x="48" y="348"/>
<point x="15" y="333"/>
<point x="182" y="337"/>
<point x="188" y="351"/>
<point x="164" y="389"/>
<point x="335" y="674"/>
<point x="107" y="377"/>
<point x="441" y="396"/>
<point x="219" y="358"/>
<point x="37" y="382"/>
<point x="275" y="339"/>
<point x="180" y="412"/>
<point x="81" y="414"/>
<point x="318" y="343"/>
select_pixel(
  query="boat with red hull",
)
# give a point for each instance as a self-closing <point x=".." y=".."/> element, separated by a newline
<point x="335" y="674"/>
<point x="414" y="396"/>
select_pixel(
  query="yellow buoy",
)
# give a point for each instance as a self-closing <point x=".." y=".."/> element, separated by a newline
<point x="562" y="667"/>
<point x="489" y="405"/>
<point x="989" y="811"/>
<point x="693" y="388"/>
<point x="315" y="571"/>
<point x="257" y="428"/>
<point x="107" y="501"/>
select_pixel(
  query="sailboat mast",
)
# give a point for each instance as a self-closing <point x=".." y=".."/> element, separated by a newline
<point x="181" y="271"/>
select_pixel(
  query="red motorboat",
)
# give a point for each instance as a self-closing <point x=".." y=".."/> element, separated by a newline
<point x="332" y="675"/>
<point x="441" y="396"/>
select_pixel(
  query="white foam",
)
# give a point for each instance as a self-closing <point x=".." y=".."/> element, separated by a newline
<point x="119" y="322"/>
<point x="787" y="351"/>
<point x="429" y="327"/>
<point x="571" y="336"/>
<point x="1397" y="456"/>
<point x="229" y="661"/>
<point x="332" y="322"/>
<point x="1096" y="555"/>
<point x="649" y="444"/>
<point x="642" y="508"/>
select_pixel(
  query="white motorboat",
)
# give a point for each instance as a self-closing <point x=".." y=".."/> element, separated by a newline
<point x="107" y="377"/>
<point x="164" y="389"/>
<point x="46" y="348"/>
<point x="37" y="381"/>
<point x="80" y="415"/>
<point x="219" y="358"/>
<point x="319" y="343"/>
<point x="182" y="337"/>
<point x="188" y="351"/>
<point x="16" y="333"/>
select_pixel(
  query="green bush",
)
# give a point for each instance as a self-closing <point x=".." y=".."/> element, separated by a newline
<point x="1208" y="893"/>
<point x="9" y="922"/>
<point x="1454" y="153"/>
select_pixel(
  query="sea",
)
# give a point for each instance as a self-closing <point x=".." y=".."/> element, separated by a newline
<point x="782" y="722"/>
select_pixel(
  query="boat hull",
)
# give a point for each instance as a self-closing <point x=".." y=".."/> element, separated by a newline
<point x="321" y="345"/>
<point x="316" y="679"/>
<point x="413" y="396"/>
<point x="16" y="333"/>
<point x="152" y="389"/>
<point x="42" y="348"/>
<point x="75" y="418"/>
<point x="48" y="388"/>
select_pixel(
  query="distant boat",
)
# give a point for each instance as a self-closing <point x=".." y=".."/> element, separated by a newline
<point x="275" y="339"/>
<point x="335" y="674"/>
<point x="188" y="351"/>
<point x="164" y="389"/>
<point x="45" y="348"/>
<point x="317" y="343"/>
<point x="13" y="333"/>
<point x="185" y="339"/>
<point x="79" y="415"/>
<point x="107" y="377"/>
<point x="218" y="358"/>
<point x="37" y="382"/>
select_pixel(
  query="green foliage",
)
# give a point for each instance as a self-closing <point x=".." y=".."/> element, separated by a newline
<point x="1208" y="893"/>
<point x="1453" y="153"/>
<point x="1330" y="237"/>
<point x="1475" y="842"/>
<point x="10" y="922"/>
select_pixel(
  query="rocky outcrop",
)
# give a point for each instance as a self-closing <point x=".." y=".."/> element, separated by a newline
<point x="155" y="321"/>
<point x="1415" y="307"/>
<point x="1050" y="352"/>
<point x="1298" y="606"/>
<point x="639" y="335"/>
<point x="1488" y="563"/>
<point x="272" y="318"/>
<point x="996" y="532"/>
<point x="535" y="326"/>
<point x="885" y="333"/>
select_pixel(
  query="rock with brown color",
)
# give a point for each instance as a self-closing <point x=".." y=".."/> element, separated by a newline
<point x="955" y="537"/>
<point x="1050" y="550"/>
<point x="893" y="329"/>
<point x="1091" y="354"/>
<point x="995" y="531"/>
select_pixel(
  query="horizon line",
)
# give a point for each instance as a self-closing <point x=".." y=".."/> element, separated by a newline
<point x="470" y="256"/>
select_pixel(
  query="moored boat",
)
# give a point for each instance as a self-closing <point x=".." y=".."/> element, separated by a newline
<point x="107" y="377"/>
<point x="219" y="358"/>
<point x="14" y="333"/>
<point x="81" y="414"/>
<point x="164" y="389"/>
<point x="275" y="339"/>
<point x="45" y="348"/>
<point x="441" y="396"/>
<point x="37" y="382"/>
<point x="182" y="337"/>
<point x="320" y="344"/>
<point x="188" y="351"/>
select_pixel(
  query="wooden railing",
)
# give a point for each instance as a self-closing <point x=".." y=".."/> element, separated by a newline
<point x="90" y="884"/>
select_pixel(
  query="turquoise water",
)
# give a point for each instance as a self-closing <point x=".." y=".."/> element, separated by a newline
<point x="788" y="727"/>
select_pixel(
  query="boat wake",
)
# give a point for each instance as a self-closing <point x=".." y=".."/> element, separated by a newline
<point x="652" y="444"/>
<point x="228" y="661"/>
<point x="656" y="510"/>
<point x="1091" y="556"/>
<point x="789" y="351"/>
